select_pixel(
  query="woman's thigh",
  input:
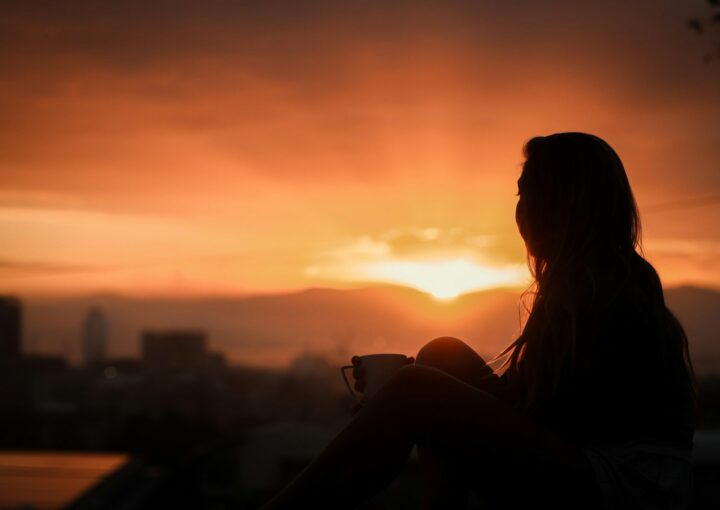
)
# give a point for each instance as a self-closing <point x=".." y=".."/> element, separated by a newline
<point x="504" y="455"/>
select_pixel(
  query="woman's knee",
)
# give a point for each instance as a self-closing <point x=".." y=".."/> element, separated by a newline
<point x="440" y="349"/>
<point x="453" y="356"/>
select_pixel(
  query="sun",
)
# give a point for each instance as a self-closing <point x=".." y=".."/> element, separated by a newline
<point x="447" y="279"/>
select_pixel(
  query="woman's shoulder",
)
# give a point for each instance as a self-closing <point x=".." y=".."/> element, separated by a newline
<point x="622" y="314"/>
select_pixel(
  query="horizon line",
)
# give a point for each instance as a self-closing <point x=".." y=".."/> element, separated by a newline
<point x="99" y="294"/>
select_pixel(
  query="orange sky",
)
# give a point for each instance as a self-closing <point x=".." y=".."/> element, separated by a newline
<point x="217" y="147"/>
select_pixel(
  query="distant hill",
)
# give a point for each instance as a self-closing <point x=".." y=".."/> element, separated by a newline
<point x="274" y="329"/>
<point x="698" y="310"/>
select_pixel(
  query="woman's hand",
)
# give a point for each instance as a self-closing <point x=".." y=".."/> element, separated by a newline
<point x="359" y="377"/>
<point x="358" y="374"/>
<point x="360" y="381"/>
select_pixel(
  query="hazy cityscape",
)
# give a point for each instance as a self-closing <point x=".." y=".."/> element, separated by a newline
<point x="177" y="411"/>
<point x="179" y="425"/>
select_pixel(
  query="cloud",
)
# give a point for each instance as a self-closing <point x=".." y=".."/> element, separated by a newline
<point x="430" y="254"/>
<point x="18" y="269"/>
<point x="291" y="120"/>
<point x="682" y="247"/>
<point x="416" y="242"/>
<point x="119" y="99"/>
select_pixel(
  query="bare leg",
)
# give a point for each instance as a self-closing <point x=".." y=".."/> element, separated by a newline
<point x="424" y="405"/>
<point x="443" y="483"/>
<point x="359" y="462"/>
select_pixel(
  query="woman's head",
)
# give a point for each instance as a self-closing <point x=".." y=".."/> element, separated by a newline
<point x="575" y="202"/>
<point x="581" y="227"/>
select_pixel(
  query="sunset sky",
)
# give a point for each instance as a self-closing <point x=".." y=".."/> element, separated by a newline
<point x="217" y="147"/>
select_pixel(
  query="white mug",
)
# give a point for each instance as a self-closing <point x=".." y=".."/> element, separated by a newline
<point x="378" y="370"/>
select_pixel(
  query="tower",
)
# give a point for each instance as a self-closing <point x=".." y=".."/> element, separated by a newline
<point x="95" y="332"/>
<point x="10" y="328"/>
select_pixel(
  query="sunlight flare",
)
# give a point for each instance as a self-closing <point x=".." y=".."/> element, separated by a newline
<point x="446" y="280"/>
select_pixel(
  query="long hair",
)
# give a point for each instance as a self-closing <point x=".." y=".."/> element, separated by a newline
<point x="578" y="217"/>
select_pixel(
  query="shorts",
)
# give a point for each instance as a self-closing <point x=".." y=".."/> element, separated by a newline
<point x="642" y="475"/>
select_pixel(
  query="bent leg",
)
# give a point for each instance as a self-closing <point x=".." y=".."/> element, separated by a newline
<point x="443" y="483"/>
<point x="421" y="404"/>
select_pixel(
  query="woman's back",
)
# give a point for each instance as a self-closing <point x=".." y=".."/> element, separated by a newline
<point x="632" y="386"/>
<point x="627" y="394"/>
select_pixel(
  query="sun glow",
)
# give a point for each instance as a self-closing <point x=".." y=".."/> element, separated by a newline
<point x="446" y="280"/>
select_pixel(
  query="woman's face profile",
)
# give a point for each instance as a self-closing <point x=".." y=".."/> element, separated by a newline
<point x="524" y="217"/>
<point x="520" y="211"/>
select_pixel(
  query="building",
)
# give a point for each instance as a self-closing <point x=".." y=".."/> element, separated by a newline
<point x="95" y="333"/>
<point x="177" y="350"/>
<point x="10" y="328"/>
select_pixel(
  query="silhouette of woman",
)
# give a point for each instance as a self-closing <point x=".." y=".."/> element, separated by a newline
<point x="595" y="405"/>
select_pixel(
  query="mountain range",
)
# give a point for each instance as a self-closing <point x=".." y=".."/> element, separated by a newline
<point x="272" y="330"/>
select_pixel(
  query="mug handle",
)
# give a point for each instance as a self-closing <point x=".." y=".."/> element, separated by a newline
<point x="347" y="383"/>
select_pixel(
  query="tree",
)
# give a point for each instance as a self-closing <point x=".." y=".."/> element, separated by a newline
<point x="708" y="26"/>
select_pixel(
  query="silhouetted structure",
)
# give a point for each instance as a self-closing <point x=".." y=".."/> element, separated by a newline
<point x="95" y="332"/>
<point x="10" y="328"/>
<point x="174" y="350"/>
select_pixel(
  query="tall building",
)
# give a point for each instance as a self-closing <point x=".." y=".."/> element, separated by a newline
<point x="184" y="350"/>
<point x="95" y="332"/>
<point x="10" y="328"/>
